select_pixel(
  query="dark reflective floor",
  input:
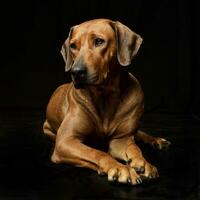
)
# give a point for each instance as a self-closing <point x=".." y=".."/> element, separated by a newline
<point x="27" y="173"/>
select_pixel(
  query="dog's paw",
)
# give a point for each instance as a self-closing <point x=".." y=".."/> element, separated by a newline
<point x="150" y="172"/>
<point x="161" y="144"/>
<point x="124" y="175"/>
<point x="120" y="173"/>
<point x="143" y="168"/>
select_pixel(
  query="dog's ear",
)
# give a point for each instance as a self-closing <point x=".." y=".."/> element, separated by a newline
<point x="65" y="51"/>
<point x="128" y="43"/>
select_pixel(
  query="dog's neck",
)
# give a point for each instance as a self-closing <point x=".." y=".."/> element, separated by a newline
<point x="106" y="97"/>
<point x="109" y="86"/>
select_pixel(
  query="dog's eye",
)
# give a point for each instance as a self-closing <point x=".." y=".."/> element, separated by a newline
<point x="72" y="46"/>
<point x="98" y="42"/>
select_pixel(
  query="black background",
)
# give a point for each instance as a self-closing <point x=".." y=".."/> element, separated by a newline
<point x="167" y="64"/>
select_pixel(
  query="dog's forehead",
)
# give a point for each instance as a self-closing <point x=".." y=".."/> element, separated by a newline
<point x="93" y="27"/>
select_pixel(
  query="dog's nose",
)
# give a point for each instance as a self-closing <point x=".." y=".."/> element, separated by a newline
<point x="79" y="72"/>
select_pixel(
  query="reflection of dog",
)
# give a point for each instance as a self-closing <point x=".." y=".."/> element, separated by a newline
<point x="102" y="105"/>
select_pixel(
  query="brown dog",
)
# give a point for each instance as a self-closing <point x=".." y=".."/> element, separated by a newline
<point x="103" y="105"/>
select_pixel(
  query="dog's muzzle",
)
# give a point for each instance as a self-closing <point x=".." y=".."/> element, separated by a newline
<point x="79" y="75"/>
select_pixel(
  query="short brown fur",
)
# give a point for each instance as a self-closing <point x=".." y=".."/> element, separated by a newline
<point x="106" y="109"/>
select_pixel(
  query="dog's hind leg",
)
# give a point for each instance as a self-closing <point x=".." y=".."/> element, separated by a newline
<point x="48" y="131"/>
<point x="156" y="142"/>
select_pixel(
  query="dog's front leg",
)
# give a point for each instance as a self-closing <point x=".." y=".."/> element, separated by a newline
<point x="126" y="149"/>
<point x="71" y="150"/>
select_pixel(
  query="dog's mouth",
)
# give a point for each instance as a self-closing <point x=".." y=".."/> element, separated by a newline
<point x="78" y="85"/>
<point x="83" y="82"/>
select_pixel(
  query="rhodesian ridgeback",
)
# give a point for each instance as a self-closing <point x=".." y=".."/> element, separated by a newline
<point x="102" y="105"/>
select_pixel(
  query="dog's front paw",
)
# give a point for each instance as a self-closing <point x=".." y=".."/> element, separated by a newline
<point x="150" y="172"/>
<point x="143" y="168"/>
<point x="124" y="175"/>
<point x="120" y="173"/>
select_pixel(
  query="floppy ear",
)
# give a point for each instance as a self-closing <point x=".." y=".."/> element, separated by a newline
<point x="66" y="53"/>
<point x="128" y="43"/>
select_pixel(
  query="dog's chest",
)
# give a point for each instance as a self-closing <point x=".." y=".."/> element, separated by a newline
<point x="118" y="122"/>
<point x="109" y="123"/>
<point x="106" y="126"/>
<point x="107" y="111"/>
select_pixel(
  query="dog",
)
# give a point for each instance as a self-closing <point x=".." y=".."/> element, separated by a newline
<point x="102" y="105"/>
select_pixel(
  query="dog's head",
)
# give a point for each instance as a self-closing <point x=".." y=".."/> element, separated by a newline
<point x="94" y="47"/>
